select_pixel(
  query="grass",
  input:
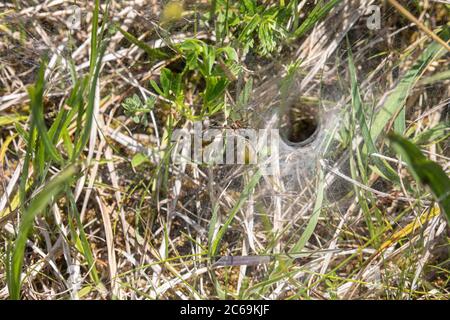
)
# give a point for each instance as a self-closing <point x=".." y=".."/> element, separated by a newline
<point x="93" y="207"/>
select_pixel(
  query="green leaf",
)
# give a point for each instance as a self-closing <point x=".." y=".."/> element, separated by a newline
<point x="165" y="79"/>
<point x="209" y="56"/>
<point x="138" y="159"/>
<point x="156" y="87"/>
<point x="250" y="6"/>
<point x="191" y="48"/>
<point x="244" y="95"/>
<point x="249" y="28"/>
<point x="425" y="171"/>
<point x="215" y="87"/>
<point x="230" y="52"/>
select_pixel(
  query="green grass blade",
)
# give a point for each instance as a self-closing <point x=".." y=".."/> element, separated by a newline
<point x="36" y="93"/>
<point x="38" y="204"/>
<point x="434" y="135"/>
<point x="312" y="223"/>
<point x="80" y="237"/>
<point x="316" y="14"/>
<point x="154" y="54"/>
<point x="357" y="108"/>
<point x="90" y="107"/>
<point x="214" y="249"/>
<point x="26" y="163"/>
<point x="94" y="35"/>
<point x="98" y="48"/>
<point x="7" y="119"/>
<point x="397" y="98"/>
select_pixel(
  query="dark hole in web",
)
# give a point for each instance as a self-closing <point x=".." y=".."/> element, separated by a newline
<point x="300" y="124"/>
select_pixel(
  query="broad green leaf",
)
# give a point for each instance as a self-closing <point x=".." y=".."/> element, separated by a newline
<point x="215" y="87"/>
<point x="425" y="171"/>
